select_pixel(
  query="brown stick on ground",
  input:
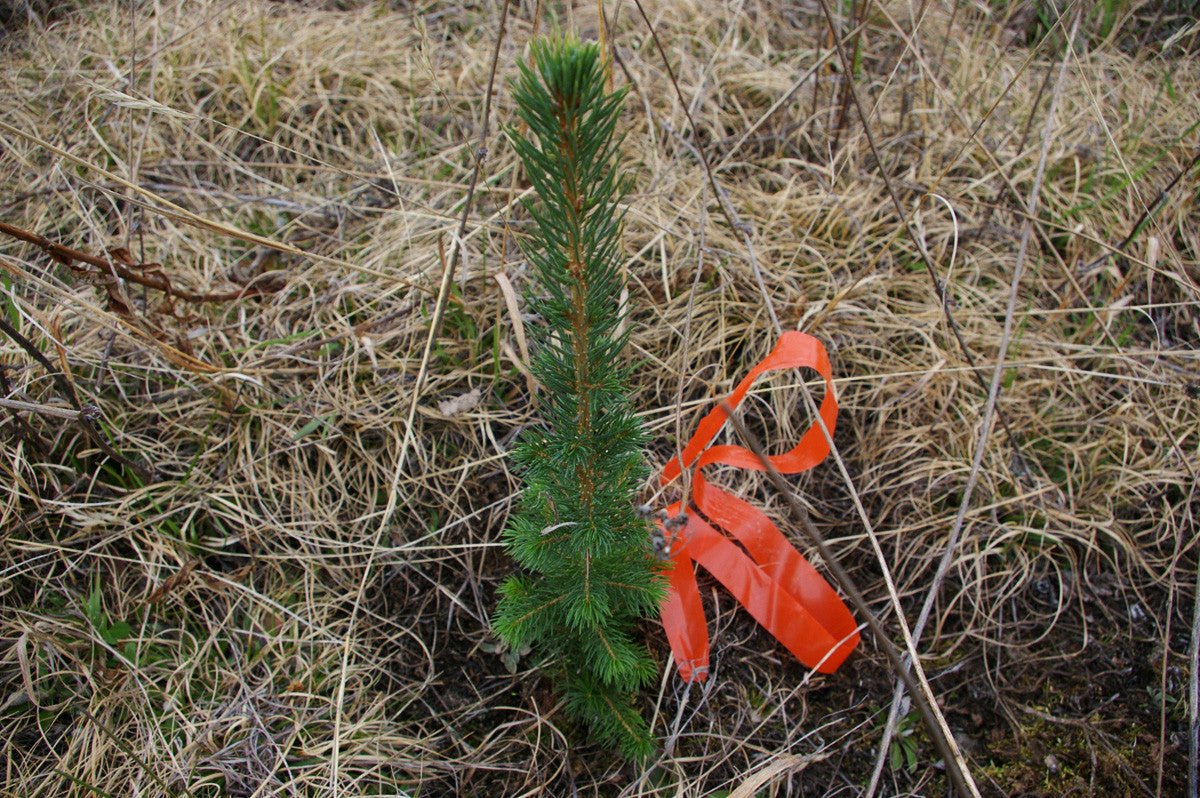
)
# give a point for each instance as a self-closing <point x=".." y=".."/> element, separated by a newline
<point x="140" y="274"/>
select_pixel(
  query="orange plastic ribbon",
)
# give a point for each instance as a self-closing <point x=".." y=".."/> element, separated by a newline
<point x="778" y="587"/>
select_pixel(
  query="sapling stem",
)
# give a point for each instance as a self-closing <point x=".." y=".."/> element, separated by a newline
<point x="588" y="568"/>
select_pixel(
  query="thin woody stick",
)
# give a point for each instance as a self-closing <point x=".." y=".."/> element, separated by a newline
<point x="87" y="414"/>
<point x="935" y="723"/>
<point x="66" y="255"/>
<point x="50" y="410"/>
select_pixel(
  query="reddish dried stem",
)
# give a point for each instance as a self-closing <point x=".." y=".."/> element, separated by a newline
<point x="142" y="274"/>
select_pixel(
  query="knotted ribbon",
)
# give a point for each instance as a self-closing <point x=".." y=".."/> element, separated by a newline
<point x="778" y="587"/>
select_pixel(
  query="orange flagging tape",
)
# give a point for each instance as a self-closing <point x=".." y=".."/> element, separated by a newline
<point x="778" y="587"/>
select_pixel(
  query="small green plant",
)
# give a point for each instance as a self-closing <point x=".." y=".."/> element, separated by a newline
<point x="112" y="632"/>
<point x="902" y="752"/>
<point x="589" y="571"/>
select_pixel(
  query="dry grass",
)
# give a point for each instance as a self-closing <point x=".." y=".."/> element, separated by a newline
<point x="296" y="600"/>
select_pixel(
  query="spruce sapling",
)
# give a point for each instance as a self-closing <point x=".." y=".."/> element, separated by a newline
<point x="589" y="571"/>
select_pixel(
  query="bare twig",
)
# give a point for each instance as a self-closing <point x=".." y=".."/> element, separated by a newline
<point x="989" y="412"/>
<point x="87" y="414"/>
<point x="740" y="227"/>
<point x="918" y="685"/>
<point x="1158" y="200"/>
<point x="940" y="288"/>
<point x="143" y="274"/>
<point x="847" y="76"/>
<point x="50" y="410"/>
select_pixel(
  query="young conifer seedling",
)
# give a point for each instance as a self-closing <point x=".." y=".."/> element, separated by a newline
<point x="589" y="571"/>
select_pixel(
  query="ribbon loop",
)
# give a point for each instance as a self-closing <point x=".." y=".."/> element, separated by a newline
<point x="775" y="583"/>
